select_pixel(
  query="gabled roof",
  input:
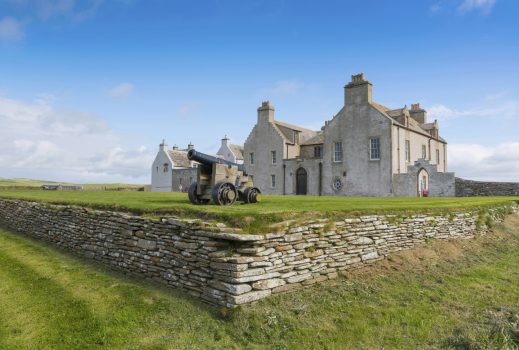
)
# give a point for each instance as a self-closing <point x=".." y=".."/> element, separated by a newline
<point x="398" y="116"/>
<point x="237" y="150"/>
<point x="316" y="140"/>
<point x="304" y="133"/>
<point x="179" y="158"/>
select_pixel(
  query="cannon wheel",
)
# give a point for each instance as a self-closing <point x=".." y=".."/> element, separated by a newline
<point x="224" y="193"/>
<point x="193" y="197"/>
<point x="251" y="195"/>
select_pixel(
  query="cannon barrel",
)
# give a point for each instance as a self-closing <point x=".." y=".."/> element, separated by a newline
<point x="208" y="160"/>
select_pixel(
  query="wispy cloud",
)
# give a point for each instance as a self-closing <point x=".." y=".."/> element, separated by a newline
<point x="76" y="10"/>
<point x="508" y="109"/>
<point x="11" y="29"/>
<point x="477" y="162"/>
<point x="485" y="6"/>
<point x="122" y="90"/>
<point x="285" y="87"/>
<point x="40" y="140"/>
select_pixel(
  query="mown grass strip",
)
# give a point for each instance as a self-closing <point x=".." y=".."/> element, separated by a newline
<point x="459" y="294"/>
<point x="254" y="217"/>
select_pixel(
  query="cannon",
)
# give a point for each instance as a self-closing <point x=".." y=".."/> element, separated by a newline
<point x="221" y="181"/>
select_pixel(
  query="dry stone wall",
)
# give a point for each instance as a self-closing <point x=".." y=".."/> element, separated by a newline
<point x="470" y="188"/>
<point x="222" y="267"/>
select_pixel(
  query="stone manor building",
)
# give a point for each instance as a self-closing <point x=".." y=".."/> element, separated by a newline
<point x="366" y="149"/>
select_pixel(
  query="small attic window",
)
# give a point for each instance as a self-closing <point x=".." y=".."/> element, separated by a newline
<point x="166" y="167"/>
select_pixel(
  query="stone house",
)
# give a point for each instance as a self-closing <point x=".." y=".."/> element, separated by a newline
<point x="366" y="149"/>
<point x="172" y="171"/>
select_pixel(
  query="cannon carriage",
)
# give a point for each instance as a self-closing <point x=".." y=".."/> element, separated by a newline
<point x="220" y="181"/>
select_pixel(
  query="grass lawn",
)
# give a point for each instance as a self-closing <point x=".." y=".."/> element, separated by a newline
<point x="39" y="183"/>
<point x="252" y="217"/>
<point x="458" y="294"/>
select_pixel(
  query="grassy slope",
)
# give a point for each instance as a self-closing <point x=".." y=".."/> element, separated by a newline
<point x="272" y="208"/>
<point x="460" y="294"/>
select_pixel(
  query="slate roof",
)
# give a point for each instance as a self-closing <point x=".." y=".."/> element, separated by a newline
<point x="397" y="115"/>
<point x="179" y="158"/>
<point x="316" y="140"/>
<point x="237" y="150"/>
<point x="304" y="133"/>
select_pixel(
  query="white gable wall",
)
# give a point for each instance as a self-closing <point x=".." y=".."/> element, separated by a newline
<point x="162" y="181"/>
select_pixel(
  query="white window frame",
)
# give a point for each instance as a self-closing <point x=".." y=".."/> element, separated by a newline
<point x="273" y="181"/>
<point x="374" y="155"/>
<point x="337" y="152"/>
<point x="407" y="150"/>
<point x="251" y="158"/>
<point x="273" y="156"/>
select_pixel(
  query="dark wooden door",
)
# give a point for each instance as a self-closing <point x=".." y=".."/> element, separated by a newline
<point x="301" y="181"/>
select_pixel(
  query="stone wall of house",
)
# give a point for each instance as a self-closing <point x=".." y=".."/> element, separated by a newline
<point x="469" y="188"/>
<point x="226" y="268"/>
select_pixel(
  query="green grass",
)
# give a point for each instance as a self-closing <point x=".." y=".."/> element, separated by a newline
<point x="460" y="295"/>
<point x="39" y="183"/>
<point x="253" y="217"/>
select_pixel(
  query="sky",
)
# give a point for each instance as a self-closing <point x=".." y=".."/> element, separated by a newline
<point x="88" y="89"/>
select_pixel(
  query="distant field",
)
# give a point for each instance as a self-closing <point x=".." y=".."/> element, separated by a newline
<point x="271" y="209"/>
<point x="39" y="183"/>
<point x="459" y="294"/>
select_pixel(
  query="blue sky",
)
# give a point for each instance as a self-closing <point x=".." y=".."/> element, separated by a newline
<point x="88" y="89"/>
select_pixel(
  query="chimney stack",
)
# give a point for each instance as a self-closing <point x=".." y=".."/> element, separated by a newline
<point x="265" y="112"/>
<point x="225" y="141"/>
<point x="358" y="91"/>
<point x="419" y="114"/>
<point x="163" y="145"/>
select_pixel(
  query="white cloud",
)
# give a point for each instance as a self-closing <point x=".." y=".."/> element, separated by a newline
<point x="41" y="141"/>
<point x="122" y="90"/>
<point x="11" y="29"/>
<point x="508" y="109"/>
<point x="477" y="162"/>
<point x="484" y="6"/>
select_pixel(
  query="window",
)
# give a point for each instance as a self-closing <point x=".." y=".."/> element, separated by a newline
<point x="273" y="156"/>
<point x="407" y="151"/>
<point x="437" y="156"/>
<point x="374" y="149"/>
<point x="318" y="152"/>
<point x="166" y="167"/>
<point x="424" y="151"/>
<point x="337" y="151"/>
<point x="252" y="158"/>
<point x="157" y="169"/>
<point x="272" y="181"/>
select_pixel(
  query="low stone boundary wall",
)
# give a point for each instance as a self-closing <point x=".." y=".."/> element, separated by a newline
<point x="225" y="268"/>
<point x="469" y="188"/>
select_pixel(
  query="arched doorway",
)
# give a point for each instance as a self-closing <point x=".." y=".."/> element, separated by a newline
<point x="301" y="181"/>
<point x="423" y="183"/>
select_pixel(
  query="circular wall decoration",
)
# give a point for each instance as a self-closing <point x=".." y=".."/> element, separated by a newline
<point x="337" y="184"/>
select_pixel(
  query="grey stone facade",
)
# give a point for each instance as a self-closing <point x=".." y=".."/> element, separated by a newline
<point x="366" y="149"/>
<point x="225" y="268"/>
